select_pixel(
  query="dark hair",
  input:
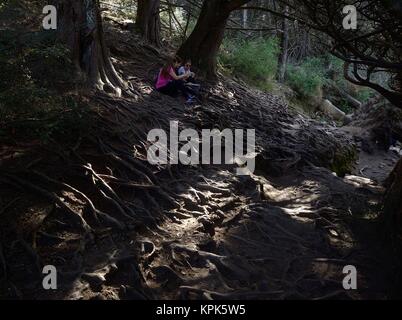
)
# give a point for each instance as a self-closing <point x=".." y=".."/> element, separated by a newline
<point x="187" y="61"/>
<point x="169" y="64"/>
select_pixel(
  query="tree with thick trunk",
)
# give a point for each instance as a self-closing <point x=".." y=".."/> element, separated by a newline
<point x="393" y="201"/>
<point x="80" y="29"/>
<point x="283" y="57"/>
<point x="148" y="21"/>
<point x="203" y="44"/>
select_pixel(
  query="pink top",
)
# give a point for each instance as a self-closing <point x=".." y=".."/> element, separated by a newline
<point x="163" y="80"/>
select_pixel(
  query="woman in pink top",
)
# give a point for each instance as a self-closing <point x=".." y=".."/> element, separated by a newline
<point x="169" y="82"/>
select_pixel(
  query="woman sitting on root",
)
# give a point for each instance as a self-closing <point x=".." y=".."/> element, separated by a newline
<point x="170" y="83"/>
<point x="190" y="83"/>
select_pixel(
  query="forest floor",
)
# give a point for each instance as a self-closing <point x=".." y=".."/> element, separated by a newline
<point x="118" y="228"/>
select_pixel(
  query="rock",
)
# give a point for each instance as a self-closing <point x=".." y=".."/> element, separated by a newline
<point x="165" y="274"/>
<point x="129" y="293"/>
<point x="95" y="279"/>
<point x="207" y="226"/>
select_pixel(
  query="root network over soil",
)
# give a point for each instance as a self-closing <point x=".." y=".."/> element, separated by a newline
<point x="118" y="228"/>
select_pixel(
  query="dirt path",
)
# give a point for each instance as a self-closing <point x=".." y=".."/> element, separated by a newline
<point x="289" y="239"/>
<point x="249" y="238"/>
<point x="377" y="165"/>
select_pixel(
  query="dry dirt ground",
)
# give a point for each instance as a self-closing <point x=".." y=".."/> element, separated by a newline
<point x="118" y="228"/>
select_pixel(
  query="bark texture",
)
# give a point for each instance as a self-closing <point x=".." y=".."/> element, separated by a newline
<point x="80" y="28"/>
<point x="148" y="21"/>
<point x="203" y="44"/>
<point x="393" y="201"/>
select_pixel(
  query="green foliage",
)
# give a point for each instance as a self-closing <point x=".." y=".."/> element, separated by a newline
<point x="255" y="60"/>
<point x="32" y="70"/>
<point x="336" y="65"/>
<point x="17" y="12"/>
<point x="65" y="120"/>
<point x="364" y="94"/>
<point x="308" y="78"/>
<point x="344" y="161"/>
<point x="360" y="93"/>
<point x="345" y="107"/>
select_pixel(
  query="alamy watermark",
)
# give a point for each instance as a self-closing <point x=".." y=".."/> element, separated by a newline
<point x="350" y="20"/>
<point x="350" y="280"/>
<point x="49" y="22"/>
<point x="238" y="148"/>
<point x="49" y="281"/>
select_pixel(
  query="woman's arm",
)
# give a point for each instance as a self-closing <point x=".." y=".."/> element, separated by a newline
<point x="176" y="77"/>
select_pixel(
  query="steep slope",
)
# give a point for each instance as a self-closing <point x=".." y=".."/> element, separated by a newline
<point x="117" y="227"/>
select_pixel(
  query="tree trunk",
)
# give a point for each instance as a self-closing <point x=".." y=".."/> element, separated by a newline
<point x="393" y="202"/>
<point x="148" y="21"/>
<point x="245" y="19"/>
<point x="283" y="57"/>
<point x="80" y="28"/>
<point x="305" y="45"/>
<point x="203" y="44"/>
<point x="356" y="104"/>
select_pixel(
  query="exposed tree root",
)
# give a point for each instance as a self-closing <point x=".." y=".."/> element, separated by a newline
<point x="213" y="295"/>
<point x="3" y="264"/>
<point x="189" y="231"/>
<point x="34" y="256"/>
<point x="9" y="205"/>
<point x="76" y="216"/>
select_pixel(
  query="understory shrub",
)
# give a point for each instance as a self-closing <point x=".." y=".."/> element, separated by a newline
<point x="308" y="78"/>
<point x="256" y="61"/>
<point x="32" y="69"/>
